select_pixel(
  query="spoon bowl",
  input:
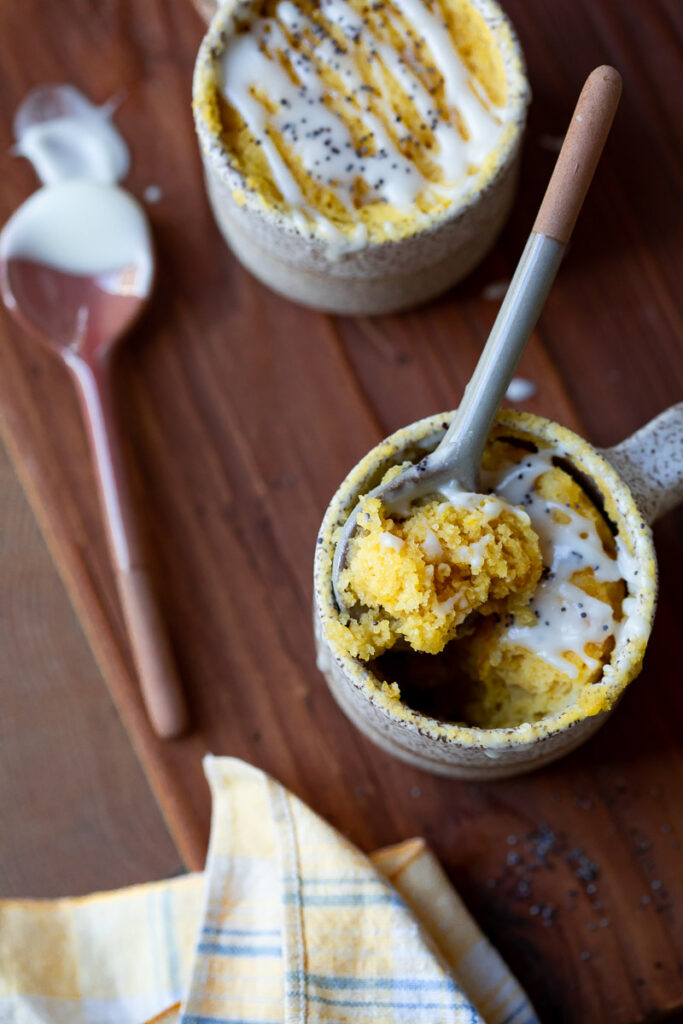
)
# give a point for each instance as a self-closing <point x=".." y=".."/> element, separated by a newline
<point x="81" y="297"/>
<point x="83" y="314"/>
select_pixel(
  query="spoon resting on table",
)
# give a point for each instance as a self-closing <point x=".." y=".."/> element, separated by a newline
<point x="76" y="270"/>
<point x="454" y="464"/>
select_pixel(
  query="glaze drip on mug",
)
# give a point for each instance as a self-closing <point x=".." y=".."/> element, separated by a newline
<point x="358" y="115"/>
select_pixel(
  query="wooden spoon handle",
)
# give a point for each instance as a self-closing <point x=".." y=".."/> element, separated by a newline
<point x="157" y="675"/>
<point x="159" y="683"/>
<point x="579" y="155"/>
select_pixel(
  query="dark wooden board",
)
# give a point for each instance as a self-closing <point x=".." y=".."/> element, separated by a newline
<point x="76" y="813"/>
<point x="243" y="413"/>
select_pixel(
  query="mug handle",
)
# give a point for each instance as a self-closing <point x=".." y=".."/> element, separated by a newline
<point x="650" y="463"/>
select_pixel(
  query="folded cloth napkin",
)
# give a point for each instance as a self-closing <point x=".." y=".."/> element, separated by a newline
<point x="289" y="924"/>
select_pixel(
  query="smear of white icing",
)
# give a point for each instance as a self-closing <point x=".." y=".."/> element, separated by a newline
<point x="520" y="389"/>
<point x="66" y="136"/>
<point x="82" y="227"/>
<point x="80" y="222"/>
<point x="390" y="540"/>
<point x="431" y="545"/>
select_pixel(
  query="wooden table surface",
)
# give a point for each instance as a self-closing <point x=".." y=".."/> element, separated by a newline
<point x="242" y="414"/>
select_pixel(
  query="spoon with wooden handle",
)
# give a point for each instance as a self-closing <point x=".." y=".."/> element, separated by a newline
<point x="455" y="463"/>
<point x="76" y="270"/>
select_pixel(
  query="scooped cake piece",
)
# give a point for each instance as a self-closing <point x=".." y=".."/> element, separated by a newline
<point x="418" y="578"/>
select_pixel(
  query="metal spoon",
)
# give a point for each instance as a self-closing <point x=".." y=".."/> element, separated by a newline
<point x="455" y="463"/>
<point x="82" y="316"/>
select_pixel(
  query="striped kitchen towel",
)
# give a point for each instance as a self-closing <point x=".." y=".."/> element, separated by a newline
<point x="289" y="924"/>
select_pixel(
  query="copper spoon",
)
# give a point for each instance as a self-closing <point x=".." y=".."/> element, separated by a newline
<point x="454" y="463"/>
<point x="82" y="317"/>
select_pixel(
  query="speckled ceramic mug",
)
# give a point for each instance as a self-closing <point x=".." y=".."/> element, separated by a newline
<point x="378" y="277"/>
<point x="637" y="481"/>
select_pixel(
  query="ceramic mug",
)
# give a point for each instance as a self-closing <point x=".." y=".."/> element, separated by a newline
<point x="636" y="481"/>
<point x="377" y="277"/>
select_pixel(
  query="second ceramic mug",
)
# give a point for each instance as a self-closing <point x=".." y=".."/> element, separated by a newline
<point x="376" y="276"/>
<point x="637" y="481"/>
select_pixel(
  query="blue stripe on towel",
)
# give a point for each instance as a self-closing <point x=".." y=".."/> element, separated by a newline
<point x="221" y="950"/>
<point x="524" y="1005"/>
<point x="271" y="933"/>
<point x="374" y="1005"/>
<point x="411" y="984"/>
<point x="345" y="899"/>
<point x="338" y="880"/>
<point x="201" y="1019"/>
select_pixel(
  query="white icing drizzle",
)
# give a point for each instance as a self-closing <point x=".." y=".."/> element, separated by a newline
<point x="488" y="506"/>
<point x="459" y="498"/>
<point x="560" y="608"/>
<point x="565" y="547"/>
<point x="272" y="75"/>
<point x="461" y="89"/>
<point x="243" y="66"/>
<point x="567" y="618"/>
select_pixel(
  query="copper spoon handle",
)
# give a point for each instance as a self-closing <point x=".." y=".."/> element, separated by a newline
<point x="159" y="683"/>
<point x="580" y="153"/>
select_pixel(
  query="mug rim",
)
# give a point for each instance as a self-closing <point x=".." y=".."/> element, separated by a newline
<point x="621" y="509"/>
<point x="216" y="151"/>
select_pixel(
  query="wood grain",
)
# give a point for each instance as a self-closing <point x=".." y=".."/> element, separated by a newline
<point x="77" y="814"/>
<point x="242" y="414"/>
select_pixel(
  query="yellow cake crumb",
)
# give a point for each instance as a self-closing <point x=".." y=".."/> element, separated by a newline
<point x="419" y="578"/>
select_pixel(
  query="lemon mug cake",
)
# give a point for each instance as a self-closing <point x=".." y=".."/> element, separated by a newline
<point x="485" y="635"/>
<point x="360" y="156"/>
